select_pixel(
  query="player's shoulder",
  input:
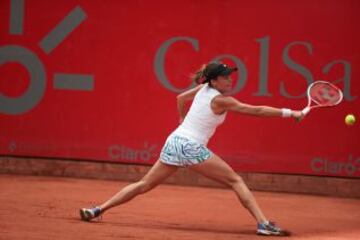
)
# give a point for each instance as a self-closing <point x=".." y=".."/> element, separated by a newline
<point x="222" y="100"/>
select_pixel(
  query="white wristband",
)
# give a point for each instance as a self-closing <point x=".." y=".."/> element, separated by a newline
<point x="286" y="112"/>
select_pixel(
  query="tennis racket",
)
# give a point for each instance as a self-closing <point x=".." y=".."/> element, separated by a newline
<point x="322" y="94"/>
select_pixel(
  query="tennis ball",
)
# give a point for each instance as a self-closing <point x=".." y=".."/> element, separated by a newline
<point x="350" y="119"/>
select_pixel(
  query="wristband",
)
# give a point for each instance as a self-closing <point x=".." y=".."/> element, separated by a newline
<point x="285" y="112"/>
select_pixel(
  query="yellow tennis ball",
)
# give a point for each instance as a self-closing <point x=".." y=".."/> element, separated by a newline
<point x="350" y="119"/>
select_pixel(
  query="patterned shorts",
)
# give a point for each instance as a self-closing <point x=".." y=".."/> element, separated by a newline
<point x="181" y="151"/>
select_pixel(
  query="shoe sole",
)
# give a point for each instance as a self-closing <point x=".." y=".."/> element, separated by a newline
<point x="267" y="233"/>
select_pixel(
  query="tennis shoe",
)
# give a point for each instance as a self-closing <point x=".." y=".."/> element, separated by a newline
<point x="87" y="214"/>
<point x="270" y="229"/>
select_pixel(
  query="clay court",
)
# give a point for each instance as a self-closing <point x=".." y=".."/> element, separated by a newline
<point x="39" y="207"/>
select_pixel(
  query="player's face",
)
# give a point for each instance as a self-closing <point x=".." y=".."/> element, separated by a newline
<point x="223" y="84"/>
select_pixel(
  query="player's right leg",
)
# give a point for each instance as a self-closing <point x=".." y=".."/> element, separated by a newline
<point x="218" y="170"/>
<point x="157" y="174"/>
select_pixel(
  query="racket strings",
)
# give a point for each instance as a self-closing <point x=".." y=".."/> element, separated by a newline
<point x="325" y="94"/>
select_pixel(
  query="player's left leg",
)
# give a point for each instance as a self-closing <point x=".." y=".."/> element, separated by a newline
<point x="157" y="174"/>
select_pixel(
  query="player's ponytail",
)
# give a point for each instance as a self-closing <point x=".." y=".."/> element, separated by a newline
<point x="199" y="77"/>
<point x="211" y="71"/>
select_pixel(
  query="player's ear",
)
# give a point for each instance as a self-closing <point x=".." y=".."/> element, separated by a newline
<point x="213" y="82"/>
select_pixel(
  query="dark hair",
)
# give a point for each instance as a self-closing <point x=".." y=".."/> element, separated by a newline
<point x="210" y="71"/>
<point x="198" y="77"/>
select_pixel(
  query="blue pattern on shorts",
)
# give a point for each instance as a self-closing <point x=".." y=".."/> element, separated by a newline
<point x="181" y="151"/>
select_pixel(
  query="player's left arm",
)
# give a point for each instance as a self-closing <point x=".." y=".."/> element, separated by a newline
<point x="184" y="97"/>
<point x="223" y="103"/>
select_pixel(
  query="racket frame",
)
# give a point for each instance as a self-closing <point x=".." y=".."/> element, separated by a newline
<point x="307" y="109"/>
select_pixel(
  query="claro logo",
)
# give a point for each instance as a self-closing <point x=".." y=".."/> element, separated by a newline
<point x="31" y="62"/>
<point x="121" y="152"/>
<point x="242" y="74"/>
<point x="323" y="165"/>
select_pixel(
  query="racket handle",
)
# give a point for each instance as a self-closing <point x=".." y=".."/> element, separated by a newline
<point x="306" y="110"/>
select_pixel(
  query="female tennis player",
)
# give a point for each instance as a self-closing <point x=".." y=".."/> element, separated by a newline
<point x="186" y="146"/>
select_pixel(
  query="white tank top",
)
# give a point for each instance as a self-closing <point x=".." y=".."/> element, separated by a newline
<point x="200" y="122"/>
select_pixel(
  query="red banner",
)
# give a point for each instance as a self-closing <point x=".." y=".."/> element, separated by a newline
<point x="98" y="80"/>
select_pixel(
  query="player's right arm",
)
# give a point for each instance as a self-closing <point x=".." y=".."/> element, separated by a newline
<point x="182" y="98"/>
<point x="222" y="104"/>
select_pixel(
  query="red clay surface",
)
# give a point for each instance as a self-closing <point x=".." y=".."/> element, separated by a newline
<point x="47" y="208"/>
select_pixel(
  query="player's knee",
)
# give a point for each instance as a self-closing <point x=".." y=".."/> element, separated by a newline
<point x="145" y="186"/>
<point x="234" y="180"/>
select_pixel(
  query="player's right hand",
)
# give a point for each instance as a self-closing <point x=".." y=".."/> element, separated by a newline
<point x="298" y="115"/>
